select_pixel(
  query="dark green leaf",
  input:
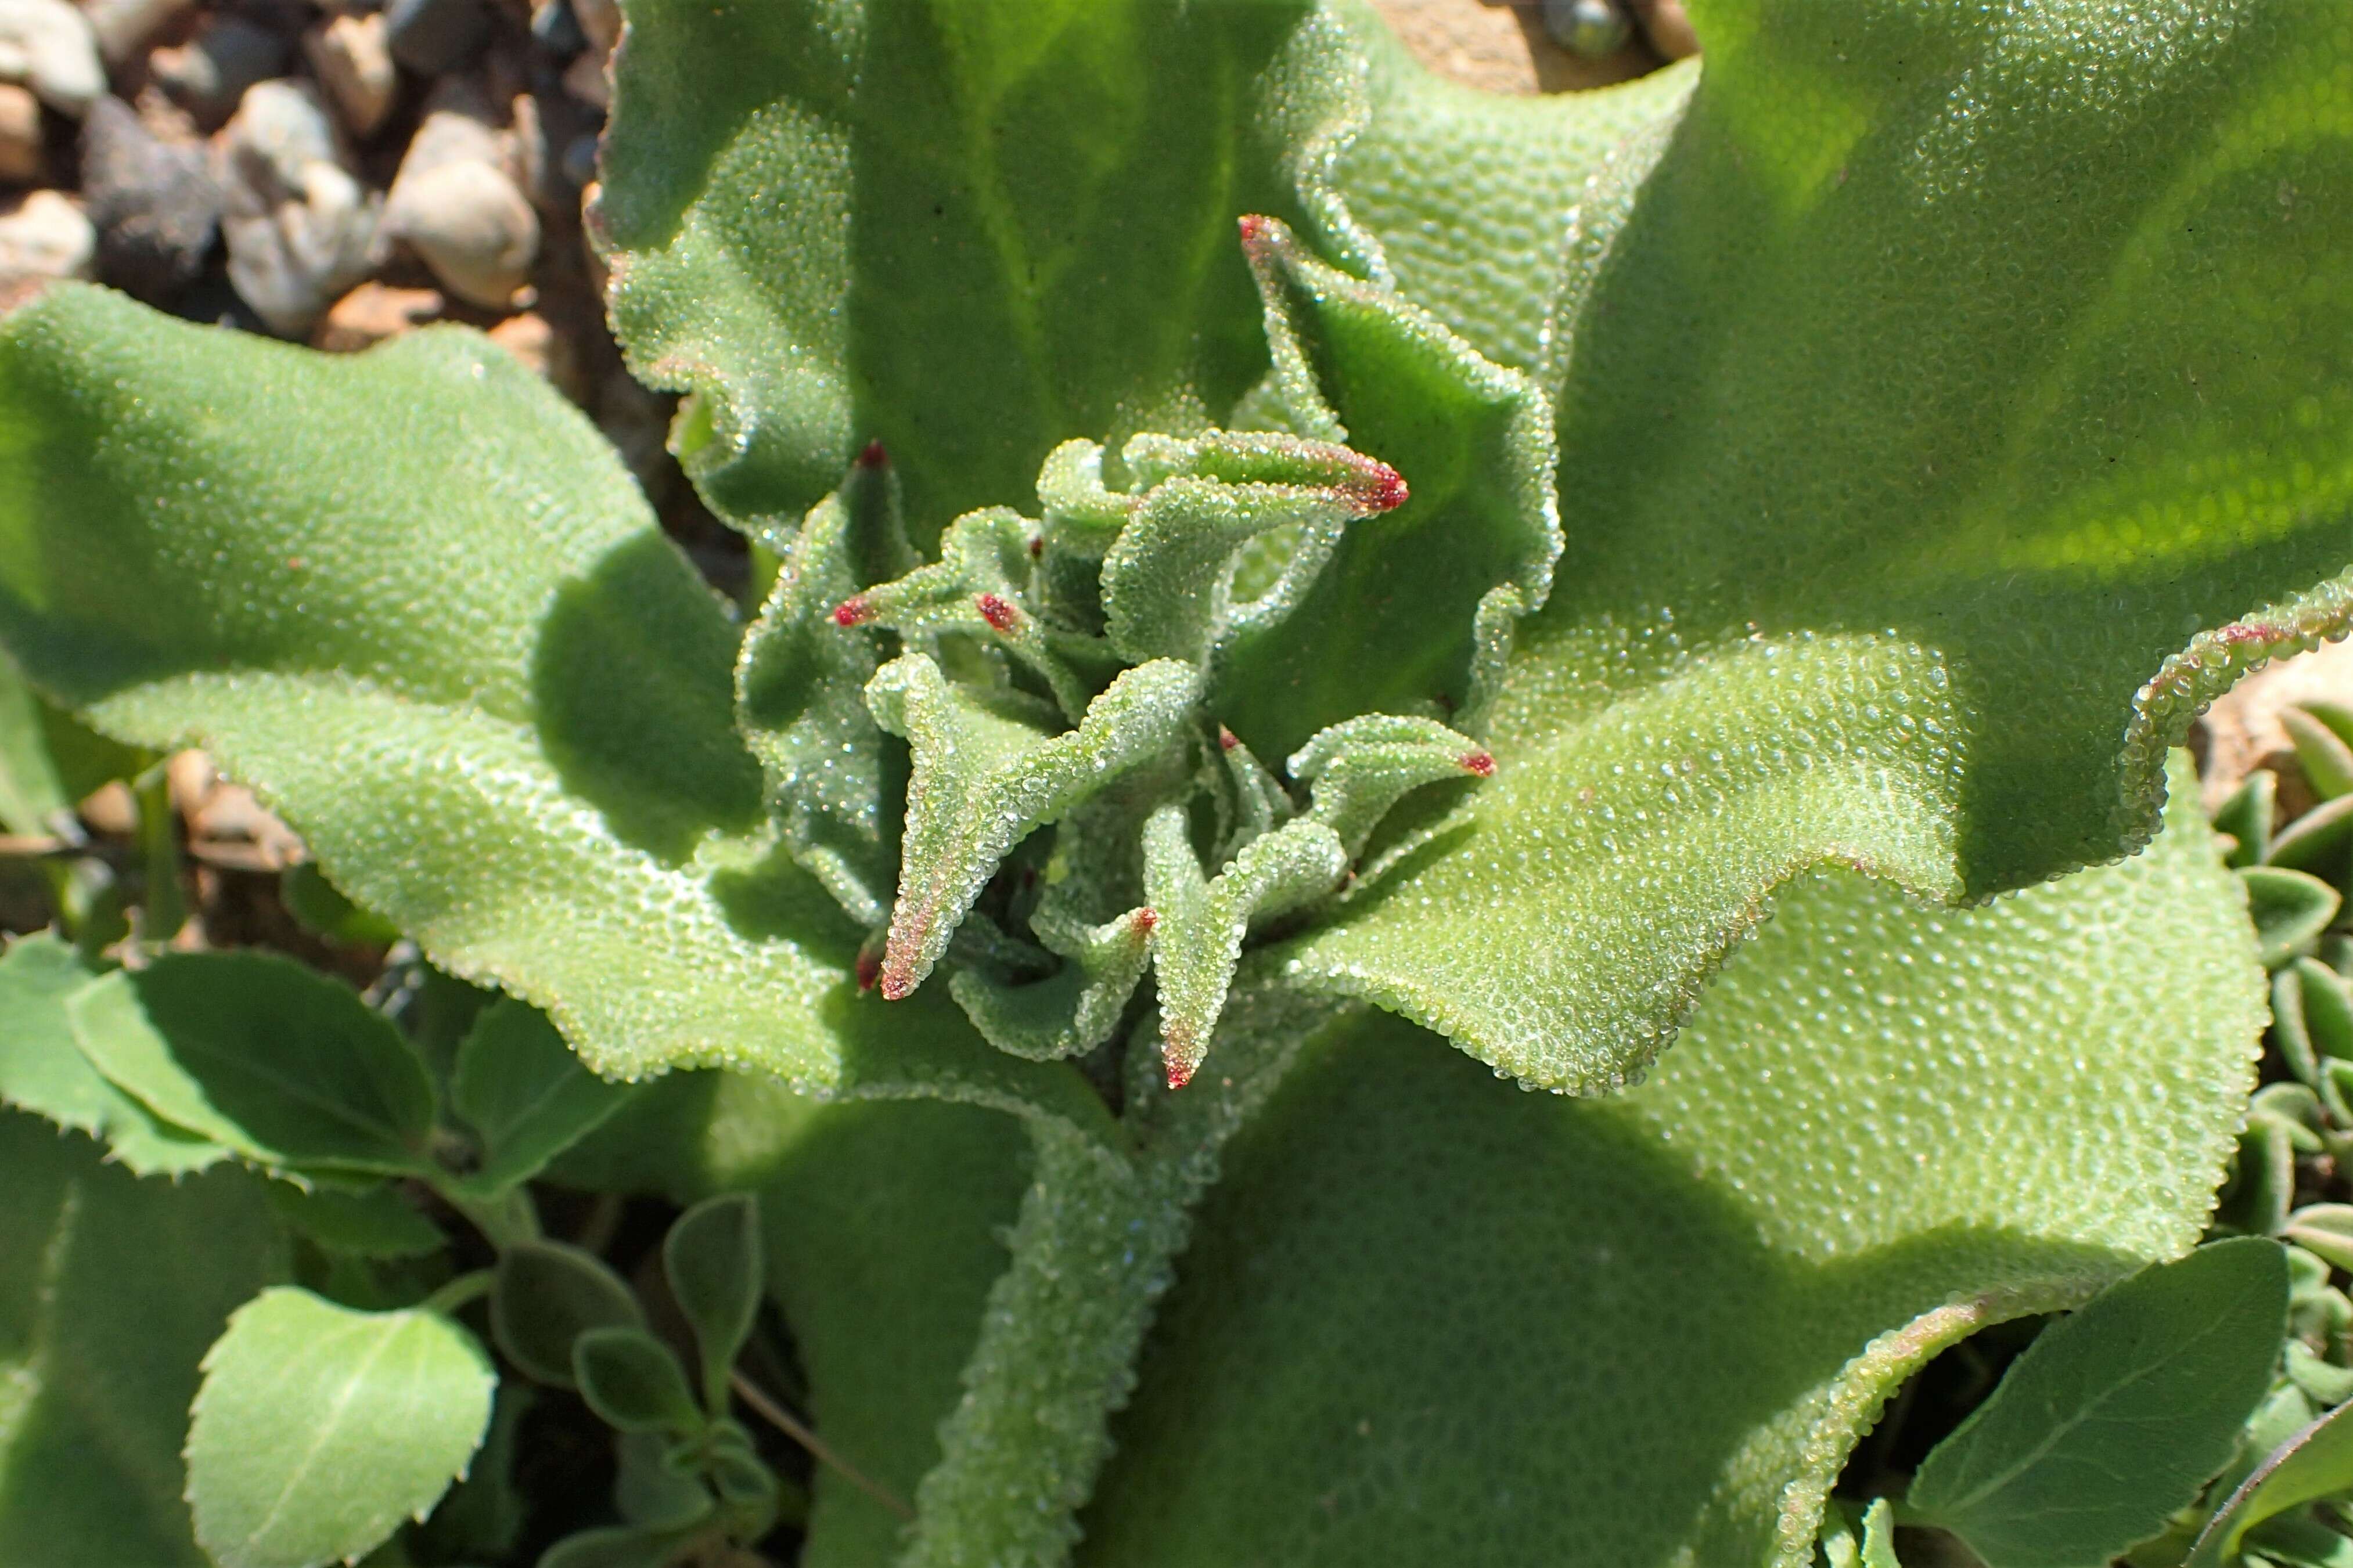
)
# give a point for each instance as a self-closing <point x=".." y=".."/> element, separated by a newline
<point x="43" y="1070"/>
<point x="2115" y="1416"/>
<point x="521" y="1088"/>
<point x="712" y="1258"/>
<point x="2326" y="760"/>
<point x="319" y="1430"/>
<point x="370" y="1222"/>
<point x="657" y="1485"/>
<point x="47" y="761"/>
<point x="318" y="905"/>
<point x="2246" y="816"/>
<point x="546" y="1296"/>
<point x="2317" y="841"/>
<point x="2290" y="910"/>
<point x="111" y="1288"/>
<point x="614" y="1547"/>
<point x="631" y="1379"/>
<point x="482" y="1515"/>
<point x="282" y="1065"/>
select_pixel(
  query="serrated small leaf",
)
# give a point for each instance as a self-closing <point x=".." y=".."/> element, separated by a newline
<point x="44" y="1071"/>
<point x="985" y="774"/>
<point x="712" y="1258"/>
<point x="318" y="1429"/>
<point x="2289" y="908"/>
<point x="372" y="1222"/>
<point x="281" y="1064"/>
<point x="632" y="1380"/>
<point x="526" y="1093"/>
<point x="2115" y="1416"/>
<point x="2326" y="760"/>
<point x="547" y="1294"/>
<point x="2314" y="1462"/>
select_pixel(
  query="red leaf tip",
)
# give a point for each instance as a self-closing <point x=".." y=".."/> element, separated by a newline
<point x="897" y="987"/>
<point x="997" y="612"/>
<point x="1226" y="739"/>
<point x="1140" y="924"/>
<point x="869" y="970"/>
<point x="854" y="611"/>
<point x="874" y="456"/>
<point x="1480" y="762"/>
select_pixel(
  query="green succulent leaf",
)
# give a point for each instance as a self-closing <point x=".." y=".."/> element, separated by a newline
<point x="2321" y="751"/>
<point x="525" y="1093"/>
<point x="2247" y="817"/>
<point x="711" y="1259"/>
<point x="453" y="649"/>
<point x="44" y="1071"/>
<point x="631" y="1379"/>
<point x="1073" y="170"/>
<point x="1885" y="1129"/>
<point x="283" y="1066"/>
<point x="987" y="771"/>
<point x="113" y="1288"/>
<point x="2115" y="1417"/>
<point x="318" y="1429"/>
<point x="546" y="1296"/>
<point x="2290" y="909"/>
<point x="1077" y="1007"/>
<point x="1894" y="492"/>
<point x="1867" y="1542"/>
<point x="2314" y="1462"/>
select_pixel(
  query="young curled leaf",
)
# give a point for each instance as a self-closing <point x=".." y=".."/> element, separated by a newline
<point x="1359" y="768"/>
<point x="987" y="773"/>
<point x="1202" y="920"/>
<point x="1077" y="1007"/>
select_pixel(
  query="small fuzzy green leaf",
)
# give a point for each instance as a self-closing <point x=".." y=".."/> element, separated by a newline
<point x="615" y="1546"/>
<point x="1359" y="768"/>
<point x="2115" y="1416"/>
<point x="833" y="786"/>
<point x="111" y="1288"/>
<point x="1073" y="167"/>
<point x="2326" y="1004"/>
<point x="2317" y="841"/>
<point x="2290" y="909"/>
<point x="2246" y="816"/>
<point x="2326" y="1229"/>
<point x="1356" y="363"/>
<point x="2316" y="1462"/>
<point x="986" y="772"/>
<point x="43" y="1070"/>
<point x="319" y="1430"/>
<point x="521" y="1088"/>
<point x="547" y="1295"/>
<point x="711" y="1259"/>
<point x="656" y="1486"/>
<point x="633" y="1383"/>
<point x="1197" y="942"/>
<point x="277" y="1062"/>
<point x="2326" y="760"/>
<point x="371" y="1221"/>
<point x="1078" y="1006"/>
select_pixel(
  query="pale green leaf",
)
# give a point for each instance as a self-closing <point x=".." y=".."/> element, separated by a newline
<point x="320" y="1429"/>
<point x="111" y="1289"/>
<point x="526" y="1094"/>
<point x="453" y="649"/>
<point x="1910" y="513"/>
<point x="972" y="230"/>
<point x="1426" y="1318"/>
<point x="43" y="1070"/>
<point x="2115" y="1416"/>
<point x="281" y="1065"/>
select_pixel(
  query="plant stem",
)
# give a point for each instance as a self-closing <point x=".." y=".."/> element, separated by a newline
<point x="504" y="1221"/>
<point x="784" y="1421"/>
<point x="460" y="1290"/>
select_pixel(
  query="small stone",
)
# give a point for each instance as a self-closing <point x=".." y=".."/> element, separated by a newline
<point x="1590" y="28"/>
<point x="456" y="128"/>
<point x="548" y="354"/>
<point x="352" y="60"/>
<point x="584" y="79"/>
<point x="209" y="75"/>
<point x="155" y="202"/>
<point x="300" y="229"/>
<point x="434" y="37"/>
<point x="373" y="312"/>
<point x="473" y="228"/>
<point x="45" y="234"/>
<point x="20" y="134"/>
<point x="47" y="45"/>
<point x="124" y="27"/>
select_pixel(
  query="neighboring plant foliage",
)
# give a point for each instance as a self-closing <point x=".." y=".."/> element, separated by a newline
<point x="1268" y="563"/>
